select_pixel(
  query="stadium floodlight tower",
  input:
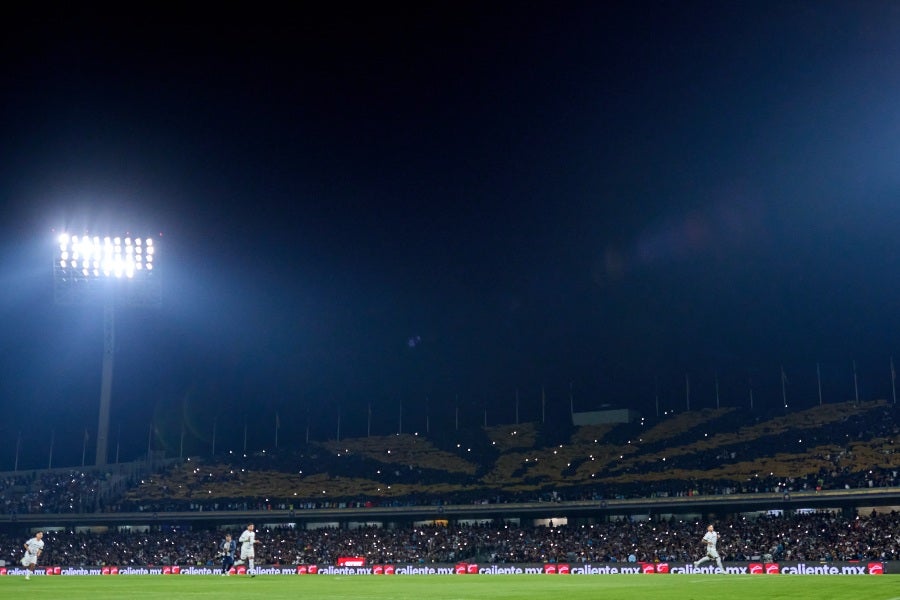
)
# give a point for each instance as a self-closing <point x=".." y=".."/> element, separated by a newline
<point x="90" y="270"/>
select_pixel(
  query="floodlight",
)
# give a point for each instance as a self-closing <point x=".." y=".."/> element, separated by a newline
<point x="88" y="270"/>
<point x="87" y="267"/>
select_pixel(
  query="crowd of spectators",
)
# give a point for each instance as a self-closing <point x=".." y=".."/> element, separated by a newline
<point x="67" y="491"/>
<point x="834" y="447"/>
<point x="849" y="446"/>
<point x="799" y="537"/>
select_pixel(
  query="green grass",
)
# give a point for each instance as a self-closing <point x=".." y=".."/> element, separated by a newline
<point x="459" y="587"/>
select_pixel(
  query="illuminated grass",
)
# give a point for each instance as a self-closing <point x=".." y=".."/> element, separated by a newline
<point x="454" y="587"/>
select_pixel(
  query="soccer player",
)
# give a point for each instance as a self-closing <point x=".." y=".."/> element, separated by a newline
<point x="33" y="549"/>
<point x="247" y="539"/>
<point x="710" y="540"/>
<point x="228" y="548"/>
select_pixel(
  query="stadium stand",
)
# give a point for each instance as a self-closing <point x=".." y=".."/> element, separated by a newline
<point x="705" y="452"/>
<point x="804" y="537"/>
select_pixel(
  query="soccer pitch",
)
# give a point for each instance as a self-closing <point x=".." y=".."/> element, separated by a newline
<point x="459" y="587"/>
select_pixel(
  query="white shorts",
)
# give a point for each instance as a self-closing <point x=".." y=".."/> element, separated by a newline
<point x="712" y="553"/>
<point x="248" y="553"/>
<point x="28" y="560"/>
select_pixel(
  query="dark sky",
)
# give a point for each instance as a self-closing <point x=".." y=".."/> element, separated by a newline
<point x="419" y="207"/>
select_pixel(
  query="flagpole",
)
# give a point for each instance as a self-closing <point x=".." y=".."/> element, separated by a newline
<point x="339" y="425"/>
<point x="571" y="402"/>
<point x="19" y="443"/>
<point x="118" y="440"/>
<point x="277" y="427"/>
<point x="400" y="417"/>
<point x="750" y="384"/>
<point x="893" y="381"/>
<point x="245" y="438"/>
<point x="369" y="422"/>
<point x="183" y="419"/>
<point x="517" y="406"/>
<point x="52" y="439"/>
<point x="657" y="400"/>
<point x="215" y="424"/>
<point x="83" y="448"/>
<point x="819" y="381"/>
<point x="149" y="440"/>
<point x="717" y="391"/>
<point x="783" y="387"/>
<point x="855" y="383"/>
<point x="687" y="391"/>
<point x="543" y="405"/>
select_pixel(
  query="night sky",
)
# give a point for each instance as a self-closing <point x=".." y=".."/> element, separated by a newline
<point x="423" y="208"/>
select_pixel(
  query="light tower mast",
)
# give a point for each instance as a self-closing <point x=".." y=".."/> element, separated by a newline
<point x="110" y="272"/>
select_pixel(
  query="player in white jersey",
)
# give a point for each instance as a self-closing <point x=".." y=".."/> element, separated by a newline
<point x="710" y="540"/>
<point x="248" y="554"/>
<point x="33" y="549"/>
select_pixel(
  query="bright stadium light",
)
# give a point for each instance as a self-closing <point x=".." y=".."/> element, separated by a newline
<point x="85" y="266"/>
<point x="112" y="271"/>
